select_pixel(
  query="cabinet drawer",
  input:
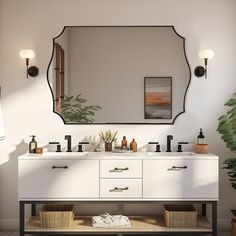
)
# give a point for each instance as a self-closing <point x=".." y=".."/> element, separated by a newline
<point x="58" y="179"/>
<point x="180" y="179"/>
<point x="120" y="188"/>
<point x="121" y="169"/>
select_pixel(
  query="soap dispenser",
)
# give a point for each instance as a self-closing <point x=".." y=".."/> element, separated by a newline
<point x="32" y="145"/>
<point x="201" y="137"/>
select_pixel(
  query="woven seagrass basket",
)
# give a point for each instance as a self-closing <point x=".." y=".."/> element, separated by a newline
<point x="180" y="216"/>
<point x="56" y="216"/>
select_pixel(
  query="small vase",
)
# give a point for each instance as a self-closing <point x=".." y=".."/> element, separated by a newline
<point x="108" y="147"/>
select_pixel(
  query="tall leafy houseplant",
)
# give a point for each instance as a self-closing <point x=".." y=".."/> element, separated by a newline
<point x="227" y="128"/>
<point x="75" y="110"/>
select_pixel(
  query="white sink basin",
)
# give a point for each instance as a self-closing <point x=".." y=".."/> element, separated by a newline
<point x="170" y="153"/>
<point x="65" y="154"/>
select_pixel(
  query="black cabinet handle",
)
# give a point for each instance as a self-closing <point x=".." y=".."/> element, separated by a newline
<point x="59" y="167"/>
<point x="116" y="169"/>
<point x="177" y="168"/>
<point x="116" y="189"/>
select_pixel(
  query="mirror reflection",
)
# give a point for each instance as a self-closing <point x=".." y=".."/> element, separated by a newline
<point x="119" y="74"/>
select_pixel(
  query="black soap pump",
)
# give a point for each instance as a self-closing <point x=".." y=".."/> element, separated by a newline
<point x="201" y="137"/>
<point x="32" y="145"/>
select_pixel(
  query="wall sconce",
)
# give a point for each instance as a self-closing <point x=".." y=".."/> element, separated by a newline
<point x="28" y="54"/>
<point x="205" y="54"/>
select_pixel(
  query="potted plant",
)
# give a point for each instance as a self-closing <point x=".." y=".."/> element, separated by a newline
<point x="108" y="138"/>
<point x="227" y="129"/>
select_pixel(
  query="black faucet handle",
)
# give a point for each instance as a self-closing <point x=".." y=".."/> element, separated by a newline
<point x="54" y="143"/>
<point x="80" y="146"/>
<point x="157" y="146"/>
<point x="182" y="142"/>
<point x="58" y="147"/>
<point x="83" y="142"/>
<point x="180" y="146"/>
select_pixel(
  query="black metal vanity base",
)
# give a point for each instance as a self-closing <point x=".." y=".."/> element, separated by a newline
<point x="168" y="233"/>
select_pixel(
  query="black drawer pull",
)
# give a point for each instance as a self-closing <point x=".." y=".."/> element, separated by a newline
<point x="59" y="167"/>
<point x="178" y="168"/>
<point x="116" y="169"/>
<point x="116" y="189"/>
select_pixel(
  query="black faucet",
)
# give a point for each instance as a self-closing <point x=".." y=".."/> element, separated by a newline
<point x="68" y="138"/>
<point x="180" y="146"/>
<point x="80" y="147"/>
<point x="157" y="146"/>
<point x="169" y="138"/>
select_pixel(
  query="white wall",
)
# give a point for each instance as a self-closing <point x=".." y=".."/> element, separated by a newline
<point x="27" y="104"/>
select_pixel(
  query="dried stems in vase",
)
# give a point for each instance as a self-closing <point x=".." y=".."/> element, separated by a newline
<point x="108" y="138"/>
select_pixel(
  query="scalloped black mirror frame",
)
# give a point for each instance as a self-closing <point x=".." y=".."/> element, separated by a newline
<point x="122" y="123"/>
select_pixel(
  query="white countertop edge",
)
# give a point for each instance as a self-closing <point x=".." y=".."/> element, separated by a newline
<point x="116" y="156"/>
<point x="119" y="200"/>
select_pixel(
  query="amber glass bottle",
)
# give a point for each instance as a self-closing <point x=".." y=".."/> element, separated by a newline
<point x="133" y="146"/>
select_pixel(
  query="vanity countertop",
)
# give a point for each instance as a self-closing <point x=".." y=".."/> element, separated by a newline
<point x="118" y="156"/>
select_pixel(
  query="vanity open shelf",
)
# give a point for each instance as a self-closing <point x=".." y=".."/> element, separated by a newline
<point x="139" y="224"/>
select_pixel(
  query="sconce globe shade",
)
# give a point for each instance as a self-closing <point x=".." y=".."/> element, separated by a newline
<point x="27" y="53"/>
<point x="206" y="54"/>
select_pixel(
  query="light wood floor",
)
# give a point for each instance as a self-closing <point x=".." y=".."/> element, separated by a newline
<point x="11" y="233"/>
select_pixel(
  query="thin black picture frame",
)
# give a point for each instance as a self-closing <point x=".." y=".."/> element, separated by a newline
<point x="122" y="123"/>
<point x="171" y="94"/>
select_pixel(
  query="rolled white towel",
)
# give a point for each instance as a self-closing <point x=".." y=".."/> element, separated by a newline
<point x="106" y="220"/>
<point x="121" y="221"/>
<point x="103" y="220"/>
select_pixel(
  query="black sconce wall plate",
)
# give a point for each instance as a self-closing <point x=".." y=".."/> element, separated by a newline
<point x="199" y="71"/>
<point x="33" y="71"/>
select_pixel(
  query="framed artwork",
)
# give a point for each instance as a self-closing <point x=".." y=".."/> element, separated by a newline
<point x="158" y="97"/>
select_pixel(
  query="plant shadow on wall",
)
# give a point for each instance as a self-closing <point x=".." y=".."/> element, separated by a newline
<point x="75" y="109"/>
<point x="227" y="128"/>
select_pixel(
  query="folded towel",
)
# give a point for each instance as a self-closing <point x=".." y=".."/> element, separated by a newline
<point x="106" y="220"/>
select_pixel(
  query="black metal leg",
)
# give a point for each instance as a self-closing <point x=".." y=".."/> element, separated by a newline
<point x="33" y="209"/>
<point x="214" y="219"/>
<point x="22" y="218"/>
<point x="203" y="209"/>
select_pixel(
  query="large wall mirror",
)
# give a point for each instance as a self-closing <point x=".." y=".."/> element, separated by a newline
<point x="119" y="75"/>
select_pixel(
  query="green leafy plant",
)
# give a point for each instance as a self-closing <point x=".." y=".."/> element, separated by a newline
<point x="74" y="110"/>
<point x="227" y="128"/>
<point x="108" y="136"/>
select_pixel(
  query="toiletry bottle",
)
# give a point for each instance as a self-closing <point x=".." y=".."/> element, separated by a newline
<point x="201" y="138"/>
<point x="32" y="145"/>
<point x="124" y="143"/>
<point x="133" y="146"/>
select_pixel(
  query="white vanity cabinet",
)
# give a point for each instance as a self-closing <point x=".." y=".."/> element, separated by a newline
<point x="118" y="178"/>
<point x="58" y="179"/>
<point x="106" y="176"/>
<point x="180" y="179"/>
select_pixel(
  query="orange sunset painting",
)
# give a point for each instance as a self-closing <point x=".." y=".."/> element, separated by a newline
<point x="158" y="97"/>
